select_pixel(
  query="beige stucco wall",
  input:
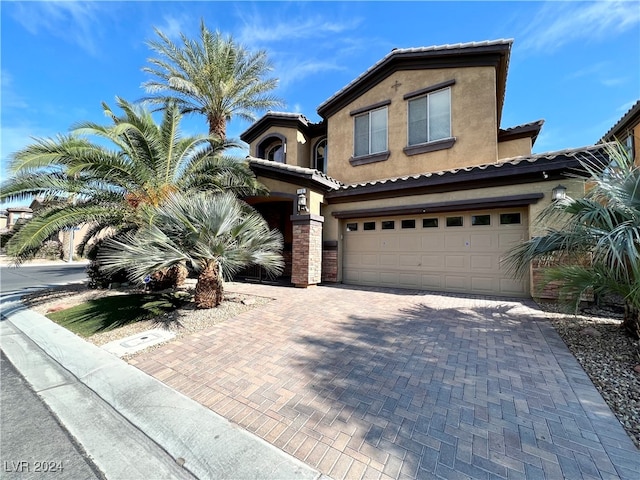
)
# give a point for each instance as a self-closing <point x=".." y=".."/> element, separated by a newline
<point x="473" y="123"/>
<point x="314" y="198"/>
<point x="636" y="144"/>
<point x="298" y="146"/>
<point x="514" y="148"/>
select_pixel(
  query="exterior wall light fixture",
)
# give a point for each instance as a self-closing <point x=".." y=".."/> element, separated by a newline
<point x="559" y="193"/>
<point x="302" y="200"/>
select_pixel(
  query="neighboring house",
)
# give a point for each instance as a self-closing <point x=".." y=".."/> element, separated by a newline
<point x="13" y="214"/>
<point x="409" y="181"/>
<point x="68" y="238"/>
<point x="627" y="132"/>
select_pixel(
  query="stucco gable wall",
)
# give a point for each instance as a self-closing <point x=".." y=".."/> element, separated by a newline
<point x="298" y="145"/>
<point x="514" y="148"/>
<point x="473" y="117"/>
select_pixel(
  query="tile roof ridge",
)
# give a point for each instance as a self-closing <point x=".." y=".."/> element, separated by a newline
<point x="401" y="51"/>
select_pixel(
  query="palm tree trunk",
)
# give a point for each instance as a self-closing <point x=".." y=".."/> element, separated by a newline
<point x="209" y="290"/>
<point x="178" y="274"/>
<point x="631" y="321"/>
<point x="217" y="126"/>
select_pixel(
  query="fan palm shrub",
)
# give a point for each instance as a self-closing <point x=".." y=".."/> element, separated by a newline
<point x="603" y="228"/>
<point x="103" y="175"/>
<point x="216" y="234"/>
<point x="213" y="76"/>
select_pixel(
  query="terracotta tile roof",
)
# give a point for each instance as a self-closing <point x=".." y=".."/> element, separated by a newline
<point x="531" y="129"/>
<point x="568" y="158"/>
<point x="310" y="173"/>
<point x="570" y="154"/>
<point x="436" y="50"/>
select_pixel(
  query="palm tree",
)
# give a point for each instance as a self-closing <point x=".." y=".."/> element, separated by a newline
<point x="133" y="162"/>
<point x="213" y="76"/>
<point x="216" y="234"/>
<point x="596" y="238"/>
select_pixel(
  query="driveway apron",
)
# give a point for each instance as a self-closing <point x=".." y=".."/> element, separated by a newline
<point x="380" y="383"/>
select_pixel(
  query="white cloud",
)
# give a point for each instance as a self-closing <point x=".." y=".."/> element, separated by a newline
<point x="292" y="69"/>
<point x="559" y="23"/>
<point x="173" y="26"/>
<point x="76" y="22"/>
<point x="10" y="97"/>
<point x="254" y="32"/>
<point x="600" y="72"/>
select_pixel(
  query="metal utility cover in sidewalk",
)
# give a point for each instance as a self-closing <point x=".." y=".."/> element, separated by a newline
<point x="137" y="342"/>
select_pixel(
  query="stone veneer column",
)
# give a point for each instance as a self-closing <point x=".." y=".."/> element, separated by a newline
<point x="306" y="250"/>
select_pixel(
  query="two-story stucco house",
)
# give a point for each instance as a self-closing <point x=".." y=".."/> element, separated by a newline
<point x="409" y="180"/>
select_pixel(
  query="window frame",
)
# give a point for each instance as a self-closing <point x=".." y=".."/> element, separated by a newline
<point x="315" y="155"/>
<point x="427" y="94"/>
<point x="367" y="114"/>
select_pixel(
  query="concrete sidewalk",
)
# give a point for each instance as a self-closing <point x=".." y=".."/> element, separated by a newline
<point x="132" y="425"/>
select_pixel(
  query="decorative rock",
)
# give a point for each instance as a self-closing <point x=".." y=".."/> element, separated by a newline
<point x="591" y="331"/>
<point x="637" y="368"/>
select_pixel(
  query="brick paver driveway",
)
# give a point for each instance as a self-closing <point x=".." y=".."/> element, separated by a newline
<point x="402" y="384"/>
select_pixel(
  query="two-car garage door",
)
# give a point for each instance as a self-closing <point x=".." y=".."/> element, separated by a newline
<point x="450" y="252"/>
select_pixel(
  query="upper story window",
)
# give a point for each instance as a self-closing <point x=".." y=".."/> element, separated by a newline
<point x="320" y="156"/>
<point x="370" y="132"/>
<point x="275" y="153"/>
<point x="430" y="117"/>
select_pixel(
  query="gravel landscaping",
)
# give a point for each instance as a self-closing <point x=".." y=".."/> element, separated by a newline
<point x="610" y="358"/>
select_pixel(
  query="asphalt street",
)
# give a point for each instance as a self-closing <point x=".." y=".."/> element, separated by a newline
<point x="33" y="443"/>
<point x="19" y="279"/>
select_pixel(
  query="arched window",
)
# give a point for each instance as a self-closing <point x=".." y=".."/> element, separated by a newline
<point x="273" y="147"/>
<point x="320" y="156"/>
<point x="275" y="152"/>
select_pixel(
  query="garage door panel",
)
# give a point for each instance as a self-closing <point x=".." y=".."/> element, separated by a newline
<point x="434" y="256"/>
<point x="457" y="283"/>
<point x="369" y="277"/>
<point x="369" y="259"/>
<point x="508" y="240"/>
<point x="509" y="286"/>
<point x="456" y="241"/>
<point x="483" y="262"/>
<point x="482" y="241"/>
<point x="409" y="280"/>
<point x="409" y="260"/>
<point x="455" y="261"/>
<point x="388" y="260"/>
<point x="352" y="260"/>
<point x="389" y="243"/>
<point x="389" y="278"/>
<point x="410" y="243"/>
<point x="433" y="262"/>
<point x="432" y="282"/>
<point x="433" y="242"/>
<point x="483" y="284"/>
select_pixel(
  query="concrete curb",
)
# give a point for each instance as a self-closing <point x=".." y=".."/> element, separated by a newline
<point x="187" y="433"/>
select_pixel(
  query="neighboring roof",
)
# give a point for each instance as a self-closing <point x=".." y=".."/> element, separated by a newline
<point x="521" y="131"/>
<point x="282" y="119"/>
<point x="495" y="53"/>
<point x="629" y="119"/>
<point x="19" y="210"/>
<point x="273" y="169"/>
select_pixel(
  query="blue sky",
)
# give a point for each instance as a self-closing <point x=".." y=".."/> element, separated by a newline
<point x="574" y="64"/>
